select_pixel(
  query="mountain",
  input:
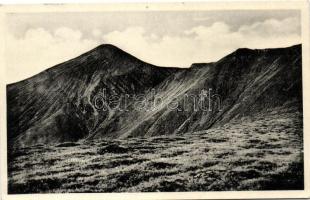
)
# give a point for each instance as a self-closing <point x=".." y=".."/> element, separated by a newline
<point x="108" y="93"/>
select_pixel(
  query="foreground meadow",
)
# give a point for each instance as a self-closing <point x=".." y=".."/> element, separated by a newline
<point x="259" y="153"/>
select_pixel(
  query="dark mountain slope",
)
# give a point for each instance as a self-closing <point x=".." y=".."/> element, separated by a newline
<point x="58" y="104"/>
<point x="243" y="83"/>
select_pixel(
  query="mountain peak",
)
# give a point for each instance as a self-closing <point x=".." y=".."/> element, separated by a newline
<point x="106" y="50"/>
<point x="110" y="47"/>
<point x="110" y="52"/>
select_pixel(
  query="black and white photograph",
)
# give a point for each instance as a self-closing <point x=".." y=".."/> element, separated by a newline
<point x="155" y="100"/>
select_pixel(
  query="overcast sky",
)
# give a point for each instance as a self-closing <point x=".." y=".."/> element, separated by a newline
<point x="171" y="38"/>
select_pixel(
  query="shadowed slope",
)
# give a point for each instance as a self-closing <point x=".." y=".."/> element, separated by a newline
<point x="60" y="100"/>
<point x="58" y="105"/>
<point x="241" y="84"/>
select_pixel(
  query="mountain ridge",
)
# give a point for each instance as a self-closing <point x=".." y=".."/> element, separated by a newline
<point x="58" y="105"/>
<point x="114" y="48"/>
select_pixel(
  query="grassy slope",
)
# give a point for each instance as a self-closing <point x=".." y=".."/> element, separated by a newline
<point x="260" y="153"/>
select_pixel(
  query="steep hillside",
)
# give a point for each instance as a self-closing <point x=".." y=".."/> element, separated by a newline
<point x="58" y="105"/>
<point x="241" y="84"/>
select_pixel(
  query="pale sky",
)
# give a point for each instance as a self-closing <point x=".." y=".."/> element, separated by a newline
<point x="165" y="38"/>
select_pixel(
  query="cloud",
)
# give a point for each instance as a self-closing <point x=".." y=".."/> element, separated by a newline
<point x="273" y="27"/>
<point x="39" y="48"/>
<point x="205" y="43"/>
<point x="204" y="18"/>
<point x="96" y="33"/>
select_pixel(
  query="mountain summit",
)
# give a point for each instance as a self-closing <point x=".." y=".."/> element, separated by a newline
<point x="61" y="103"/>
